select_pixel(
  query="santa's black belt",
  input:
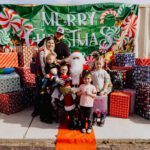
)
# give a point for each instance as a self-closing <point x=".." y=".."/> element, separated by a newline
<point x="75" y="86"/>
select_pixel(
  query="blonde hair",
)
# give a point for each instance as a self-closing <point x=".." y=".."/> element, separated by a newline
<point x="51" y="54"/>
<point x="99" y="58"/>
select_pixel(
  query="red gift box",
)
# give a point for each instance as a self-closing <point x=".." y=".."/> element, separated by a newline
<point x="11" y="102"/>
<point x="121" y="68"/>
<point x="142" y="61"/>
<point x="25" y="56"/>
<point x="27" y="78"/>
<point x="8" y="60"/>
<point x="120" y="104"/>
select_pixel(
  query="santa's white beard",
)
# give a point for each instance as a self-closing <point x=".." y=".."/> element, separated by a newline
<point x="76" y="70"/>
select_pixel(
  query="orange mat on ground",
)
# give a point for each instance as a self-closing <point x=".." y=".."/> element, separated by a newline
<point x="74" y="140"/>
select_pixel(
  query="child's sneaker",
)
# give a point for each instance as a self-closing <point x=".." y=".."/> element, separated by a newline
<point x="83" y="130"/>
<point x="103" y="117"/>
<point x="89" y="130"/>
<point x="42" y="91"/>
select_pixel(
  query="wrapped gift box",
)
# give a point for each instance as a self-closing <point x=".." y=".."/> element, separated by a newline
<point x="101" y="104"/>
<point x="142" y="106"/>
<point x="141" y="73"/>
<point x="127" y="75"/>
<point x="11" y="102"/>
<point x="132" y="100"/>
<point x="142" y="61"/>
<point x="118" y="79"/>
<point x="124" y="59"/>
<point x="25" y="56"/>
<point x="27" y="78"/>
<point x="28" y="96"/>
<point x="9" y="82"/>
<point x="8" y="60"/>
<point x="119" y="104"/>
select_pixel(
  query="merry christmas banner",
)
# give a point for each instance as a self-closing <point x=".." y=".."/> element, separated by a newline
<point x="102" y="28"/>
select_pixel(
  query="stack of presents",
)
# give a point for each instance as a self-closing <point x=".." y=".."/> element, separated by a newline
<point x="130" y="77"/>
<point x="17" y="84"/>
<point x="131" y="86"/>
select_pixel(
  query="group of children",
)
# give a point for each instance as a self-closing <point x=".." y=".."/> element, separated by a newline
<point x="58" y="83"/>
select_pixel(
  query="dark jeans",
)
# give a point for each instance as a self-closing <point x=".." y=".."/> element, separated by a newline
<point x="46" y="109"/>
<point x="37" y="98"/>
<point x="86" y="113"/>
<point x="44" y="82"/>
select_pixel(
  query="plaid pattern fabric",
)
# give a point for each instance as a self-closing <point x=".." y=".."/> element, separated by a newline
<point x="8" y="60"/>
<point x="124" y="59"/>
<point x="119" y="104"/>
<point x="143" y="99"/>
<point x="11" y="102"/>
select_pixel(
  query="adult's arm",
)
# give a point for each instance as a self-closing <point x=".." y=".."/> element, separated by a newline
<point x="42" y="63"/>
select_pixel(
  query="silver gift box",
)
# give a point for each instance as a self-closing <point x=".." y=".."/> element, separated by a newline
<point x="9" y="82"/>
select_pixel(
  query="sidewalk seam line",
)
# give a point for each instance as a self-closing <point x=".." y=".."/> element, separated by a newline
<point x="28" y="128"/>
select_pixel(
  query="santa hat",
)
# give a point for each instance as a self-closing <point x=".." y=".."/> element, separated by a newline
<point x="78" y="54"/>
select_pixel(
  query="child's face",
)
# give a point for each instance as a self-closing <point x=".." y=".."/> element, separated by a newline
<point x="53" y="71"/>
<point x="99" y="64"/>
<point x="50" y="59"/>
<point x="64" y="69"/>
<point x="87" y="79"/>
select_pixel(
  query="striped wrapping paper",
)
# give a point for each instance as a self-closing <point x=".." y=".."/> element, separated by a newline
<point x="142" y="61"/>
<point x="25" y="56"/>
<point x="8" y="60"/>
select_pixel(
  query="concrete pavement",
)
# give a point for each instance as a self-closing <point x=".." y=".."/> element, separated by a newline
<point x="22" y="126"/>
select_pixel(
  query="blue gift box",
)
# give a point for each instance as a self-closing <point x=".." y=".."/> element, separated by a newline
<point x="141" y="73"/>
<point x="124" y="59"/>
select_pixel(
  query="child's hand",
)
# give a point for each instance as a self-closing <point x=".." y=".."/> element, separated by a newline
<point x="46" y="76"/>
<point x="83" y="93"/>
<point x="87" y="93"/>
<point x="102" y="93"/>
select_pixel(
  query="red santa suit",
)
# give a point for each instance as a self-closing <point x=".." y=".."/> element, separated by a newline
<point x="69" y="103"/>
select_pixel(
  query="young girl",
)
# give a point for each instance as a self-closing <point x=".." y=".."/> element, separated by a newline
<point x="102" y="82"/>
<point x="87" y="93"/>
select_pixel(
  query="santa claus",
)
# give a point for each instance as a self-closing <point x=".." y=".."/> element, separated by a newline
<point x="77" y="66"/>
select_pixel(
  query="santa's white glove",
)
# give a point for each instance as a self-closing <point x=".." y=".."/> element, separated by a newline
<point x="60" y="81"/>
